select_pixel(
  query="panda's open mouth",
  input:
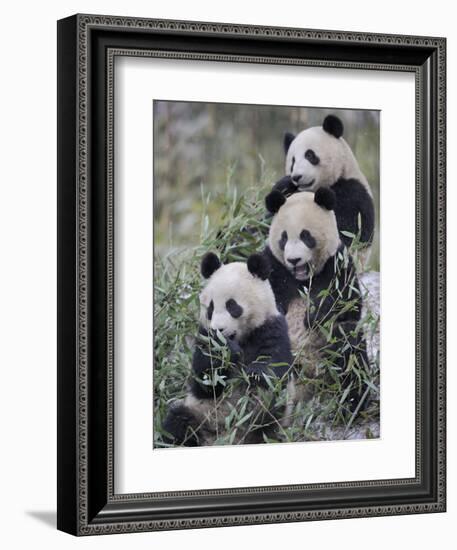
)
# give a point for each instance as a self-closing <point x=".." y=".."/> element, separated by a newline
<point x="301" y="186"/>
<point x="301" y="272"/>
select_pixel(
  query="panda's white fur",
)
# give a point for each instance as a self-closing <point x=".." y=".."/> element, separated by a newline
<point x="301" y="212"/>
<point x="254" y="295"/>
<point x="336" y="160"/>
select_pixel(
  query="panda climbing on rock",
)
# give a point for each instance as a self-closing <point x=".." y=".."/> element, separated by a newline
<point x="316" y="286"/>
<point x="319" y="157"/>
<point x="242" y="351"/>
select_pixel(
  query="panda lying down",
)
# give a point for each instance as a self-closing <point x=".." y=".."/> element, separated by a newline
<point x="242" y="340"/>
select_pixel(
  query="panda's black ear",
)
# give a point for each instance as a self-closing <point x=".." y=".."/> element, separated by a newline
<point x="210" y="264"/>
<point x="326" y="198"/>
<point x="274" y="201"/>
<point x="288" y="139"/>
<point x="333" y="125"/>
<point x="259" y="266"/>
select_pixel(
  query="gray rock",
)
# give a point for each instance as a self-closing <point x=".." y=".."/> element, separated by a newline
<point x="371" y="293"/>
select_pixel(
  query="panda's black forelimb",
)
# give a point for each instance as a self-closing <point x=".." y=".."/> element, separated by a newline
<point x="285" y="186"/>
<point x="339" y="287"/>
<point x="267" y="352"/>
<point x="283" y="283"/>
<point x="347" y="353"/>
<point x="264" y="352"/>
<point x="207" y="361"/>
<point x="352" y="200"/>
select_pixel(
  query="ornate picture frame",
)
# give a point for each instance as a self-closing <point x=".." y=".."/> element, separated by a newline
<point x="87" y="48"/>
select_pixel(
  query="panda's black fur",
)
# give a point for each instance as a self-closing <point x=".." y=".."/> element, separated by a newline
<point x="334" y="285"/>
<point x="269" y="340"/>
<point x="287" y="288"/>
<point x="353" y="198"/>
<point x="263" y="352"/>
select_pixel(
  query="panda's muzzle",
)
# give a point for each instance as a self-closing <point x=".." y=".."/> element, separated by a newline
<point x="300" y="272"/>
<point x="294" y="261"/>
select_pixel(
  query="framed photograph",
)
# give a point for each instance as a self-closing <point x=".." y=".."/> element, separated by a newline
<point x="251" y="271"/>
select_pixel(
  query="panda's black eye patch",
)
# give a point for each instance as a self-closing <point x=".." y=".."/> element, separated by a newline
<point x="293" y="164"/>
<point x="283" y="240"/>
<point x="234" y="308"/>
<point x="210" y="310"/>
<point x="307" y="238"/>
<point x="311" y="156"/>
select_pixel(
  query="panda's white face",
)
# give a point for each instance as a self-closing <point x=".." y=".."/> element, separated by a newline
<point x="316" y="158"/>
<point x="298" y="252"/>
<point x="235" y="302"/>
<point x="303" y="235"/>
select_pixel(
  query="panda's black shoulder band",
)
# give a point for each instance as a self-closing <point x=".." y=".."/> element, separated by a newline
<point x="210" y="264"/>
<point x="333" y="125"/>
<point x="274" y="201"/>
<point x="326" y="198"/>
<point x="259" y="266"/>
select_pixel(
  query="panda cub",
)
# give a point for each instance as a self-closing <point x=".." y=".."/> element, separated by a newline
<point x="320" y="157"/>
<point x="316" y="286"/>
<point x="243" y="339"/>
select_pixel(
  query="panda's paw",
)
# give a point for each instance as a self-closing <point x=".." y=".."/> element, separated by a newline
<point x="274" y="201"/>
<point x="255" y="375"/>
<point x="219" y="338"/>
<point x="234" y="348"/>
<point x="285" y="186"/>
<point x="255" y="380"/>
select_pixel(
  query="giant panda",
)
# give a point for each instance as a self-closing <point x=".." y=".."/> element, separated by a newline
<point x="316" y="286"/>
<point x="242" y="350"/>
<point x="320" y="157"/>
